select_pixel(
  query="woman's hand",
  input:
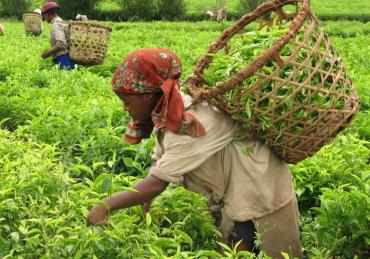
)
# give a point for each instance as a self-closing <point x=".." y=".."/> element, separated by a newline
<point x="98" y="215"/>
<point x="45" y="54"/>
<point x="144" y="191"/>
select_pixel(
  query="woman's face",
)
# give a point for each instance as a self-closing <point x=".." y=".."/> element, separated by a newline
<point x="47" y="17"/>
<point x="139" y="106"/>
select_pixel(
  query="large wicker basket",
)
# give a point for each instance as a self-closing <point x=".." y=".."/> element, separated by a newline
<point x="88" y="42"/>
<point x="290" y="145"/>
<point x="32" y="23"/>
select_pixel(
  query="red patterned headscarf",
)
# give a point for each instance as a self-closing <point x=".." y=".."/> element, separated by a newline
<point x="155" y="70"/>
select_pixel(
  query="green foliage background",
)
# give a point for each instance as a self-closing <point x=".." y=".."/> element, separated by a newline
<point x="61" y="151"/>
<point x="196" y="9"/>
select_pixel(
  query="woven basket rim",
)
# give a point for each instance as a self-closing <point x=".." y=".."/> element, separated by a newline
<point x="89" y="24"/>
<point x="31" y="14"/>
<point x="28" y="15"/>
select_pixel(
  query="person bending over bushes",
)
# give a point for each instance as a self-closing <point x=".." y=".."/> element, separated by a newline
<point x="197" y="147"/>
<point x="58" y="37"/>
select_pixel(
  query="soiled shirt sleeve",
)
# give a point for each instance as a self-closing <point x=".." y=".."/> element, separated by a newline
<point x="59" y="34"/>
<point x="181" y="154"/>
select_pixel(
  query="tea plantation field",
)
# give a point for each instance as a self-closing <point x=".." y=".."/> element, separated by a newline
<point x="61" y="151"/>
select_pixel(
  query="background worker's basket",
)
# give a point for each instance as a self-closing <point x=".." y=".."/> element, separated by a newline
<point x="32" y="23"/>
<point x="88" y="42"/>
<point x="295" y="112"/>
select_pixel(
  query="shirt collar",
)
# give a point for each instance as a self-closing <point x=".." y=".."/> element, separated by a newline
<point x="56" y="19"/>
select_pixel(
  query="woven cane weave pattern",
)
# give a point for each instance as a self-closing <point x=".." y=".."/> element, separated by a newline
<point x="88" y="43"/>
<point x="295" y="102"/>
<point x="32" y="23"/>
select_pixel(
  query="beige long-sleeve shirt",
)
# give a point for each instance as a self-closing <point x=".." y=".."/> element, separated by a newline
<point x="59" y="35"/>
<point x="246" y="184"/>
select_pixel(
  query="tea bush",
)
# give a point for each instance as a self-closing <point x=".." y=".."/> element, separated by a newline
<point x="43" y="210"/>
<point x="333" y="188"/>
<point x="61" y="152"/>
<point x="341" y="227"/>
<point x="336" y="164"/>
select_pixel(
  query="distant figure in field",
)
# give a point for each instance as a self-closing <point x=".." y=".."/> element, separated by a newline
<point x="222" y="14"/>
<point x="58" y="37"/>
<point x="38" y="12"/>
<point x="81" y="17"/>
<point x="211" y="15"/>
<point x="1" y="30"/>
<point x="218" y="14"/>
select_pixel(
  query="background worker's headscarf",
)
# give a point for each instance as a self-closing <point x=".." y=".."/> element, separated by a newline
<point x="150" y="71"/>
